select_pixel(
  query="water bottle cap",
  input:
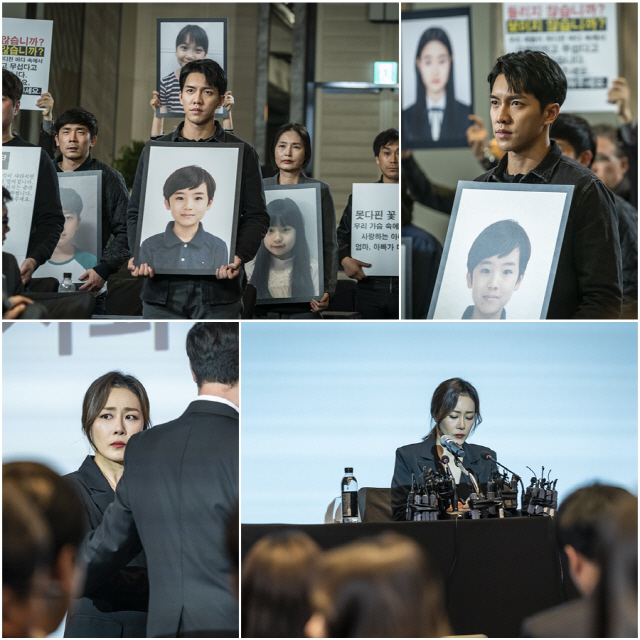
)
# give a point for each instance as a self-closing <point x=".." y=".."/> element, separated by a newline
<point x="67" y="275"/>
<point x="348" y="469"/>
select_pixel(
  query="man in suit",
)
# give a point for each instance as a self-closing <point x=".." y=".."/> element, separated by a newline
<point x="175" y="498"/>
<point x="579" y="525"/>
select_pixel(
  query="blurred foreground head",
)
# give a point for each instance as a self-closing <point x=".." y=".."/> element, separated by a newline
<point x="275" y="586"/>
<point x="384" y="587"/>
<point x="55" y="500"/>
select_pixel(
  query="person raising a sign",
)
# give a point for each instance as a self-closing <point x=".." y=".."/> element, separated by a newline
<point x="377" y="297"/>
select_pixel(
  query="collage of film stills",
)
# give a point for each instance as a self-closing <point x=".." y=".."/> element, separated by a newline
<point x="320" y="319"/>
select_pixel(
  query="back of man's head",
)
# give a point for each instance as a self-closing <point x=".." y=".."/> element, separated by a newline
<point x="214" y="74"/>
<point x="532" y="72"/>
<point x="389" y="136"/>
<point x="214" y="352"/>
<point x="576" y="131"/>
<point x="12" y="86"/>
<point x="77" y="115"/>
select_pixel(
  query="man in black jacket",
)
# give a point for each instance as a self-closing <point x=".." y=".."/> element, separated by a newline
<point x="176" y="497"/>
<point x="203" y="84"/>
<point x="377" y="297"/>
<point x="527" y="91"/>
<point x="47" y="222"/>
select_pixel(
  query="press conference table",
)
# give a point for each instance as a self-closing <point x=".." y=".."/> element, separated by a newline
<point x="496" y="572"/>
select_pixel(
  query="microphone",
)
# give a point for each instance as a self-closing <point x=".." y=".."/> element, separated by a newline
<point x="489" y="457"/>
<point x="448" y="443"/>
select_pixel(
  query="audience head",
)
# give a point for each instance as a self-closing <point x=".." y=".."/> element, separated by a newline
<point x="578" y="523"/>
<point x="192" y="43"/>
<point x="275" y="586"/>
<point x="291" y="148"/>
<point x="434" y="67"/>
<point x="76" y="133"/>
<point x="61" y="508"/>
<point x="213" y="73"/>
<point x="574" y="137"/>
<point x="445" y="400"/>
<point x="384" y="587"/>
<point x="77" y="116"/>
<point x="386" y="149"/>
<point x="26" y="562"/>
<point x="610" y="163"/>
<point x="213" y="350"/>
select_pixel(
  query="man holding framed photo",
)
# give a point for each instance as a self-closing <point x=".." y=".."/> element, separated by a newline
<point x="527" y="91"/>
<point x="203" y="84"/>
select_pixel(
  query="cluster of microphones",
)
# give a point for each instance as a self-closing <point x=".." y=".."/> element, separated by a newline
<point x="435" y="496"/>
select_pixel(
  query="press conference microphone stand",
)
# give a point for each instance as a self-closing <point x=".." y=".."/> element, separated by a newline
<point x="454" y="513"/>
<point x="489" y="457"/>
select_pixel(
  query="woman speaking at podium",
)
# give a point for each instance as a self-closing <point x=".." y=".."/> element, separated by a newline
<point x="455" y="412"/>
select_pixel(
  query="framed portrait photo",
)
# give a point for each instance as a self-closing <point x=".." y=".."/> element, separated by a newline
<point x="437" y="78"/>
<point x="80" y="243"/>
<point x="180" y="41"/>
<point x="189" y="207"/>
<point x="501" y="251"/>
<point x="288" y="266"/>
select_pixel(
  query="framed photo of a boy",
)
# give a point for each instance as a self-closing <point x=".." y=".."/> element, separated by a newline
<point x="180" y="41"/>
<point x="289" y="262"/>
<point x="189" y="207"/>
<point x="502" y="248"/>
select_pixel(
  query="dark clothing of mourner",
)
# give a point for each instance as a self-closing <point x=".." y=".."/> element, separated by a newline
<point x="588" y="282"/>
<point x="628" y="134"/>
<point x="468" y="313"/>
<point x="120" y="609"/>
<point x="160" y="294"/>
<point x="48" y="221"/>
<point x="573" y="619"/>
<point x="175" y="498"/>
<point x="416" y="128"/>
<point x="47" y="139"/>
<point x="423" y="191"/>
<point x="166" y="251"/>
<point x="628" y="229"/>
<point x="412" y="458"/>
<point x="426" y="253"/>
<point x="115" y="199"/>
<point x="377" y="297"/>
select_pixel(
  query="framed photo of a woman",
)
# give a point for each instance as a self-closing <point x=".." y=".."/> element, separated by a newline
<point x="437" y="78"/>
<point x="289" y="260"/>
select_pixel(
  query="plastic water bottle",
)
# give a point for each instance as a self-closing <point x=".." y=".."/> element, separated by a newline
<point x="66" y="286"/>
<point x="349" y="496"/>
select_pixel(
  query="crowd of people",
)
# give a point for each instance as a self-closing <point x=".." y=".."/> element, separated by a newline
<point x="113" y="283"/>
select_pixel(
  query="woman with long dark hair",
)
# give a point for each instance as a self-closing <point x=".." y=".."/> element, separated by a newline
<point x="436" y="118"/>
<point x="455" y="412"/>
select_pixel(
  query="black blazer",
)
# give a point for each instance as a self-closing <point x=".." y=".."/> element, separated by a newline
<point x="416" y="130"/>
<point x="178" y="490"/>
<point x="120" y="610"/>
<point x="411" y="459"/>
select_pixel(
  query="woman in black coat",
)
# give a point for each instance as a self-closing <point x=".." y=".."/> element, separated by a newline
<point x="455" y="410"/>
<point x="115" y="407"/>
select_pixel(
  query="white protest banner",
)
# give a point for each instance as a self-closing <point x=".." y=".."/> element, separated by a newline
<point x="581" y="37"/>
<point x="19" y="177"/>
<point x="375" y="228"/>
<point x="26" y="51"/>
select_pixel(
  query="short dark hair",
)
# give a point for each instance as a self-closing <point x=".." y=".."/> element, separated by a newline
<point x="12" y="86"/>
<point x="445" y="399"/>
<point x="213" y="349"/>
<point x="611" y="132"/>
<point x="56" y="498"/>
<point x="500" y="239"/>
<point x="386" y="137"/>
<point x="97" y="395"/>
<point x="189" y="178"/>
<point x="582" y="513"/>
<point x="301" y="130"/>
<point x="213" y="73"/>
<point x="71" y="200"/>
<point x="576" y="131"/>
<point x="196" y="34"/>
<point x="6" y="196"/>
<point x="532" y="72"/>
<point x="77" y="115"/>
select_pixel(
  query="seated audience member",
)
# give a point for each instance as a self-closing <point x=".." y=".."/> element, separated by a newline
<point x="275" y="586"/>
<point x="527" y="91"/>
<point x="378" y="588"/>
<point x="377" y="297"/>
<point x="26" y="562"/>
<point x="496" y="264"/>
<point x="576" y="141"/>
<point x="61" y="509"/>
<point x="47" y="222"/>
<point x="578" y="522"/>
<point x="426" y="252"/>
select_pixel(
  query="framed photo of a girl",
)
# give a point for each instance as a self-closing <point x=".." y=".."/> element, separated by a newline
<point x="289" y="260"/>
<point x="181" y="41"/>
<point x="437" y="78"/>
